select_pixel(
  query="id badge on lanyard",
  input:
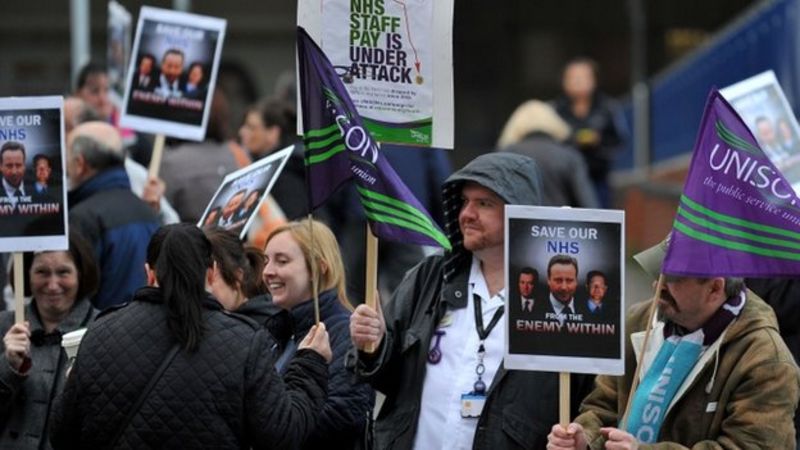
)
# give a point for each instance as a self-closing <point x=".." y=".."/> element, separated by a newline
<point x="472" y="402"/>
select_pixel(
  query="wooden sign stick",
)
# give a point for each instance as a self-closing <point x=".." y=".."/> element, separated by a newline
<point x="19" y="288"/>
<point x="155" y="158"/>
<point x="370" y="296"/>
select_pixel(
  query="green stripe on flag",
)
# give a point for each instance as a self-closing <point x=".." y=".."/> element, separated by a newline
<point x="384" y="208"/>
<point x="314" y="145"/>
<point x="747" y="248"/>
<point x="321" y="131"/>
<point x="440" y="238"/>
<point x="734" y="232"/>
<point x="402" y="211"/>
<point x="733" y="140"/>
<point x="316" y="159"/>
<point x="399" y="204"/>
<point x="737" y="221"/>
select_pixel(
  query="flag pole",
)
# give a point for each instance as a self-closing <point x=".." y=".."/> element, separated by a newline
<point x="371" y="285"/>
<point x="313" y="264"/>
<point x="563" y="399"/>
<point x="19" y="288"/>
<point x="155" y="158"/>
<point x="648" y="330"/>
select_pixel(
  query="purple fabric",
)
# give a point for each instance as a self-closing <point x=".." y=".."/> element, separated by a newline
<point x="738" y="216"/>
<point x="339" y="149"/>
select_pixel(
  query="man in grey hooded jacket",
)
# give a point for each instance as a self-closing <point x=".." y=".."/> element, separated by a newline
<point x="438" y="344"/>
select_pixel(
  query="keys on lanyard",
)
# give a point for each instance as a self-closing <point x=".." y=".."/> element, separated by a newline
<point x="483" y="333"/>
<point x="472" y="403"/>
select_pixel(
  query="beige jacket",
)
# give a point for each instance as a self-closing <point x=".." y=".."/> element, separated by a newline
<point x="742" y="393"/>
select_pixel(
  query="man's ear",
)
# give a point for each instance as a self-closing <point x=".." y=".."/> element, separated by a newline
<point x="79" y="166"/>
<point x="718" y="288"/>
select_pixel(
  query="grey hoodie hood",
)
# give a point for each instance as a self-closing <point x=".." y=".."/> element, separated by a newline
<point x="514" y="178"/>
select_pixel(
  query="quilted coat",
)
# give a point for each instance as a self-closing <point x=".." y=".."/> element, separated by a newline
<point x="25" y="400"/>
<point x="224" y="395"/>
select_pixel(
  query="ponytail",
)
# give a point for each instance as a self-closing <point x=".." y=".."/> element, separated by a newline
<point x="253" y="283"/>
<point x="180" y="255"/>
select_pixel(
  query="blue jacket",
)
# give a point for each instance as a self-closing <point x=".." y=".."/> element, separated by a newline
<point x="119" y="226"/>
<point x="344" y="416"/>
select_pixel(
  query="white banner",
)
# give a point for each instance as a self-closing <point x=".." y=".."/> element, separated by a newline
<point x="395" y="59"/>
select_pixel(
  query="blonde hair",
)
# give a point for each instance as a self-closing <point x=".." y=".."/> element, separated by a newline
<point x="531" y="116"/>
<point x="318" y="244"/>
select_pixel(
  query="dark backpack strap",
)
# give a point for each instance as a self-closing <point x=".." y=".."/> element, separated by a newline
<point x="153" y="380"/>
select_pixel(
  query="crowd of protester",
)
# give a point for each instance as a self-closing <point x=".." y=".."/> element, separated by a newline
<point x="199" y="339"/>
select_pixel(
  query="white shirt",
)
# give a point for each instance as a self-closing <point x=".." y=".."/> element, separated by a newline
<point x="167" y="89"/>
<point x="524" y="302"/>
<point x="559" y="307"/>
<point x="11" y="191"/>
<point x="440" y="424"/>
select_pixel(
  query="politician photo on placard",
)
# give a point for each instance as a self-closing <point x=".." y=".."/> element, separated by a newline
<point x="172" y="73"/>
<point x="565" y="284"/>
<point x="32" y="197"/>
<point x="241" y="193"/>
<point x="763" y="106"/>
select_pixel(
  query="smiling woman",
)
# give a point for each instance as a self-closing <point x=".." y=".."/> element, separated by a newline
<point x="293" y="253"/>
<point x="33" y="363"/>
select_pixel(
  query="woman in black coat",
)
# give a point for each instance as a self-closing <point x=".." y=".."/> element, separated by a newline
<point x="218" y="387"/>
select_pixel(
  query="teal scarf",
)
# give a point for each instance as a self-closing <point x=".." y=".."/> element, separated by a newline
<point x="675" y="359"/>
<point x="672" y="364"/>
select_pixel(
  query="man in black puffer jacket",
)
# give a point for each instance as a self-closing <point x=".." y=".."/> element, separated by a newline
<point x="225" y="394"/>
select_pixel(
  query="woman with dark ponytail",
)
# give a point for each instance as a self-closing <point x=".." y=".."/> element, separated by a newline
<point x="177" y="262"/>
<point x="172" y="369"/>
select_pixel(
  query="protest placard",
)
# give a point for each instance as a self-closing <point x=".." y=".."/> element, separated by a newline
<point x="118" y="50"/>
<point x="396" y="61"/>
<point x="565" y="289"/>
<point x="172" y="75"/>
<point x="241" y="194"/>
<point x="762" y="105"/>
<point x="33" y="213"/>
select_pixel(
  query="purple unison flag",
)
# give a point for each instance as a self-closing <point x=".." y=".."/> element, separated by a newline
<point x="339" y="149"/>
<point x="738" y="216"/>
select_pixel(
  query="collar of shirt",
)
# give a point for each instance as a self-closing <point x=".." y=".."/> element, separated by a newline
<point x="558" y="307"/>
<point x="165" y="83"/>
<point x="477" y="285"/>
<point x="592" y="306"/>
<point x="524" y="301"/>
<point x="10" y="190"/>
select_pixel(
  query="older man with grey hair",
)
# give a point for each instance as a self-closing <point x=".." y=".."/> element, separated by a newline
<point x="149" y="189"/>
<point x="714" y="373"/>
<point x="103" y="208"/>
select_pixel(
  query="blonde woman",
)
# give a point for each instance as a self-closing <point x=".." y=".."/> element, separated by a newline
<point x="296" y="254"/>
<point x="536" y="130"/>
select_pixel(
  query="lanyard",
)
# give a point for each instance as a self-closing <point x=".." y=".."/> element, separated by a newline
<point x="480" y="387"/>
<point x="484" y="333"/>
